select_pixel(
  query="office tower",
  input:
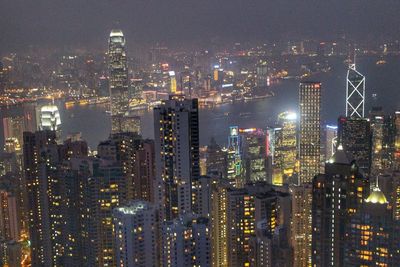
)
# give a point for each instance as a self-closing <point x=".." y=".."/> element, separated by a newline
<point x="50" y="120"/>
<point x="301" y="234"/>
<point x="186" y="242"/>
<point x="262" y="73"/>
<point x="337" y="195"/>
<point x="377" y="123"/>
<point x="44" y="199"/>
<point x="285" y="148"/>
<point x="389" y="183"/>
<point x="330" y="140"/>
<point x="254" y="154"/>
<point x="126" y="123"/>
<point x="355" y="93"/>
<point x="396" y="148"/>
<point x="176" y="131"/>
<point x="373" y="235"/>
<point x="13" y="128"/>
<point x="354" y="134"/>
<point x="118" y="73"/>
<point x="216" y="159"/>
<point x="310" y="129"/>
<point x="389" y="142"/>
<point x="136" y="235"/>
<point x="235" y="171"/>
<point x="173" y="88"/>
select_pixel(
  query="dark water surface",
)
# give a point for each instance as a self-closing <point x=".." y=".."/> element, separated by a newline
<point x="383" y="80"/>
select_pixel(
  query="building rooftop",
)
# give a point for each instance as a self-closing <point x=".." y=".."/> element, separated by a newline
<point x="340" y="157"/>
<point x="376" y="196"/>
<point x="116" y="33"/>
<point x="134" y="207"/>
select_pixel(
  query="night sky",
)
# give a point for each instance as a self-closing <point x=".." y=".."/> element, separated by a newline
<point x="86" y="22"/>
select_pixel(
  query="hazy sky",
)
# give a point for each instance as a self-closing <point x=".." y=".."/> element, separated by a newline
<point x="87" y="22"/>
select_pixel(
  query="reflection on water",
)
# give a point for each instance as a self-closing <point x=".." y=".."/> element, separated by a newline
<point x="382" y="80"/>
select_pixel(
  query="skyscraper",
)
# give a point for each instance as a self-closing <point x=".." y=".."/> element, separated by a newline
<point x="373" y="235"/>
<point x="254" y="154"/>
<point x="285" y="148"/>
<point x="337" y="195"/>
<point x="301" y="234"/>
<point x="118" y="72"/>
<point x="186" y="242"/>
<point x="355" y="93"/>
<point x="176" y="131"/>
<point x="310" y="129"/>
<point x="50" y="119"/>
<point x="216" y="159"/>
<point x="354" y="134"/>
<point x="330" y="140"/>
<point x="136" y="234"/>
<point x="235" y="171"/>
<point x="45" y="218"/>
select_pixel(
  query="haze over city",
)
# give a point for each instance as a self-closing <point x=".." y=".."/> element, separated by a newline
<point x="259" y="133"/>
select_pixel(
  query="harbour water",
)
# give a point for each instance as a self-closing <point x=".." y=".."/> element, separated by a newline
<point x="383" y="80"/>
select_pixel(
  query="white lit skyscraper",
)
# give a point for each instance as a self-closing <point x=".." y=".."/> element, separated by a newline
<point x="310" y="129"/>
<point x="118" y="71"/>
<point x="355" y="93"/>
<point x="50" y="120"/>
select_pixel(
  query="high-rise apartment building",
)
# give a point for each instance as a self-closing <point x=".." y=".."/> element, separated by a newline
<point x="136" y="234"/>
<point x="310" y="130"/>
<point x="186" y="242"/>
<point x="44" y="199"/>
<point x="176" y="131"/>
<point x="301" y="234"/>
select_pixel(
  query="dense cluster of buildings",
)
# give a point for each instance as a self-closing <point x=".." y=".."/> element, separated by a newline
<point x="295" y="194"/>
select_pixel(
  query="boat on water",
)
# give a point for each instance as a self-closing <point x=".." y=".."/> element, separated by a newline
<point x="381" y="62"/>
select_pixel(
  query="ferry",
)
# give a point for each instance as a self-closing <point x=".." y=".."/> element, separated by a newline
<point x="381" y="62"/>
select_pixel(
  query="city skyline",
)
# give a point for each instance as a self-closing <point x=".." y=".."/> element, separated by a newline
<point x="259" y="153"/>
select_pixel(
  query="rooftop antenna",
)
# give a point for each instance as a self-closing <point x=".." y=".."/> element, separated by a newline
<point x="355" y="56"/>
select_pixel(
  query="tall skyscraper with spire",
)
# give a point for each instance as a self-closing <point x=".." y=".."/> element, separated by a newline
<point x="118" y="72"/>
<point x="355" y="92"/>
